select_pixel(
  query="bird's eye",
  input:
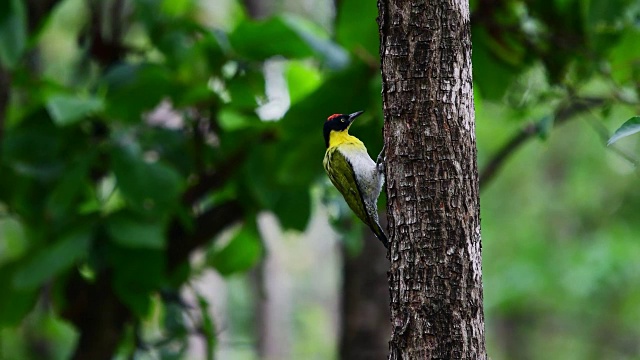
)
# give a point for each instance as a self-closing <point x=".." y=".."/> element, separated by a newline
<point x="342" y="120"/>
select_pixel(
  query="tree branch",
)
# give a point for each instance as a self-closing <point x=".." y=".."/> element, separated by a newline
<point x="259" y="9"/>
<point x="184" y="239"/>
<point x="562" y="115"/>
<point x="105" y="46"/>
<point x="97" y="313"/>
<point x="96" y="310"/>
<point x="213" y="180"/>
<point x="37" y="11"/>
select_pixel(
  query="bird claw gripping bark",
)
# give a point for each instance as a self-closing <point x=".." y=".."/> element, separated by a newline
<point x="380" y="161"/>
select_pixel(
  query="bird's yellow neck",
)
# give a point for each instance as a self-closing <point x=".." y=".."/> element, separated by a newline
<point x="337" y="138"/>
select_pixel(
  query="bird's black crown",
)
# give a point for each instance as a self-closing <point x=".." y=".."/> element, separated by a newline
<point x="338" y="122"/>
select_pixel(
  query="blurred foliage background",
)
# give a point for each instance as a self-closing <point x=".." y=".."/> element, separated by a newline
<point x="148" y="144"/>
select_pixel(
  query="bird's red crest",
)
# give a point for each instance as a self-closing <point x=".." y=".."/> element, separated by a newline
<point x="333" y="117"/>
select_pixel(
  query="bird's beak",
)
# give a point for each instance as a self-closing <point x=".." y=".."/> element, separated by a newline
<point x="354" y="116"/>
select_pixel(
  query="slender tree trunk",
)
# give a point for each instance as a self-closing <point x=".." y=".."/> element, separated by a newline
<point x="435" y="277"/>
<point x="365" y="302"/>
<point x="99" y="316"/>
<point x="512" y="336"/>
<point x="259" y="9"/>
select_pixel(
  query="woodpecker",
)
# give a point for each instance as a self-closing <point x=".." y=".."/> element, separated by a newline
<point x="352" y="171"/>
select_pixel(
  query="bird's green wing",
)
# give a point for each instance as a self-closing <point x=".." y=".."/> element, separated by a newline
<point x="343" y="178"/>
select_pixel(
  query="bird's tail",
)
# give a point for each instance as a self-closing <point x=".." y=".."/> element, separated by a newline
<point x="377" y="230"/>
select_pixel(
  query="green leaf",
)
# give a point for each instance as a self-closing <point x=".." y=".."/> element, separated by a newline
<point x="602" y="20"/>
<point x="149" y="186"/>
<point x="129" y="230"/>
<point x="240" y="254"/>
<point x="13" y="240"/>
<point x="258" y="176"/>
<point x="264" y="39"/>
<point x="136" y="299"/>
<point x="230" y="120"/>
<point x="134" y="89"/>
<point x="207" y="324"/>
<point x="43" y="161"/>
<point x="544" y="126"/>
<point x="246" y="88"/>
<point x="492" y="75"/>
<point x="136" y="274"/>
<point x="13" y="32"/>
<point x="69" y="189"/>
<point x="625" y="57"/>
<point x="293" y="208"/>
<point x="356" y="27"/>
<point x="334" y="56"/>
<point x="302" y="79"/>
<point x="260" y="40"/>
<point x="278" y="179"/>
<point x="67" y="109"/>
<point x="563" y="5"/>
<point x="176" y="7"/>
<point x="330" y="97"/>
<point x="630" y="127"/>
<point x="297" y="169"/>
<point x="14" y="303"/>
<point x="53" y="259"/>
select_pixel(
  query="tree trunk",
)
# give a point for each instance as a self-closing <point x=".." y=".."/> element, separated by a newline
<point x="365" y="302"/>
<point x="259" y="9"/>
<point x="99" y="316"/>
<point x="435" y="277"/>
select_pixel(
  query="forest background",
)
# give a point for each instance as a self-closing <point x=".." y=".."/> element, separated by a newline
<point x="162" y="194"/>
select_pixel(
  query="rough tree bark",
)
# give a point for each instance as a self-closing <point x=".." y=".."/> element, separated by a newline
<point x="435" y="277"/>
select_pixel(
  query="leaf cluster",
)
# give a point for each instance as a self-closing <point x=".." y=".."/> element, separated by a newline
<point x="155" y="142"/>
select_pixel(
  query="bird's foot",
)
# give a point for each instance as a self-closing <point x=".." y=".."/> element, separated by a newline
<point x="381" y="160"/>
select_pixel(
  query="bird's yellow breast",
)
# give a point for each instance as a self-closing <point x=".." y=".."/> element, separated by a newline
<point x="337" y="138"/>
